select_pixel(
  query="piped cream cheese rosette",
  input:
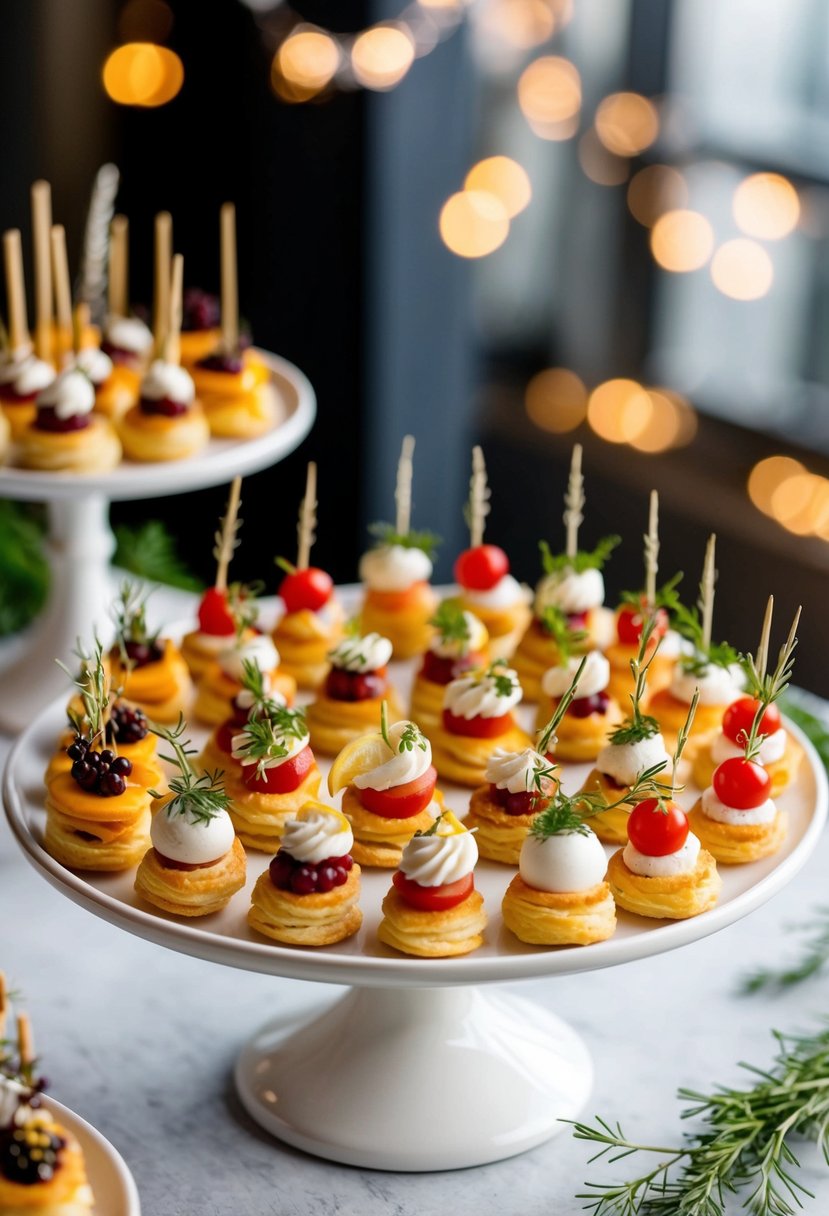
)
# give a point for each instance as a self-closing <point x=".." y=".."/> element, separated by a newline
<point x="477" y="718"/>
<point x="65" y="435"/>
<point x="459" y="644"/>
<point x="349" y="701"/>
<point x="592" y="714"/>
<point x="433" y="909"/>
<point x="309" y="894"/>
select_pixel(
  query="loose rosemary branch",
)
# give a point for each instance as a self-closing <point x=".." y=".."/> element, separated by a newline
<point x="813" y="958"/>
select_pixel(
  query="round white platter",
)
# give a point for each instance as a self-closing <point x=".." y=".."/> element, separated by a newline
<point x="109" y="1177"/>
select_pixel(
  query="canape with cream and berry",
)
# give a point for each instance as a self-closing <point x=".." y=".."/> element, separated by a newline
<point x="477" y="718"/>
<point x="312" y="622"/>
<point x="389" y="785"/>
<point x="572" y="585"/>
<point x="433" y="909"/>
<point x="482" y="572"/>
<point x="278" y="774"/>
<point x="399" y="602"/>
<point x="22" y="375"/>
<point x="348" y="703"/>
<point x="65" y="435"/>
<point x="148" y="669"/>
<point x="593" y="712"/>
<point x="459" y="644"/>
<point x="196" y="863"/>
<point x="221" y="683"/>
<point x="309" y="895"/>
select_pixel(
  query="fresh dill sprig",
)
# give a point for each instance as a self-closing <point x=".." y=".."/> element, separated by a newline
<point x="387" y="534"/>
<point x="666" y="597"/>
<point x="129" y="612"/>
<point x="585" y="559"/>
<point x="812" y="959"/>
<point x="546" y="736"/>
<point x="745" y="1146"/>
<point x="568" y="812"/>
<point x="452" y="625"/>
<point x="201" y="797"/>
<point x="554" y="622"/>
<point x="639" y="726"/>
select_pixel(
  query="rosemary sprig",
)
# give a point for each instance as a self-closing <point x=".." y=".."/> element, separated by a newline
<point x="387" y="534"/>
<point x="812" y="959"/>
<point x="451" y="623"/>
<point x="568" y="812"/>
<point x="745" y="1145"/>
<point x="638" y="726"/>
<point x="546" y="736"/>
<point x="265" y="738"/>
<point x="584" y="559"/>
<point x="768" y="686"/>
<point x="554" y="621"/>
<point x="253" y="681"/>
<point x="129" y="613"/>
<point x="202" y="797"/>
<point x="666" y="597"/>
<point x="95" y="691"/>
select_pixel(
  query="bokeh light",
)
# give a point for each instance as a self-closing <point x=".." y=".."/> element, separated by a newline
<point x="521" y="24"/>
<point x="143" y="74"/>
<point x="617" y="409"/>
<point x="503" y="177"/>
<point x="655" y="190"/>
<point x="627" y="123"/>
<point x="682" y="241"/>
<point x="381" y="56"/>
<point x="473" y="223"/>
<point x="556" y="400"/>
<point x="669" y="423"/>
<point x="767" y="475"/>
<point x="549" y="94"/>
<point x="601" y="166"/>
<point x="304" y="64"/>
<point x="766" y="205"/>
<point x="742" y="270"/>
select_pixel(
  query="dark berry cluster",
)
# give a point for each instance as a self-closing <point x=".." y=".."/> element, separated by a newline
<point x="344" y="685"/>
<point x="29" y="1154"/>
<point x="102" y="772"/>
<point x="127" y="724"/>
<point x="201" y="310"/>
<point x="302" y="878"/>
<point x="141" y="653"/>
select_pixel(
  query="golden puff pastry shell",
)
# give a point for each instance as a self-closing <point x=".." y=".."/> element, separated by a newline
<point x="499" y="836"/>
<point x="611" y="827"/>
<point x="379" y="839"/>
<point x="197" y="892"/>
<point x="446" y="934"/>
<point x="463" y="758"/>
<point x="553" y="918"/>
<point x="155" y="437"/>
<point x="676" y="897"/>
<point x="63" y="842"/>
<point x="259" y="818"/>
<point x="505" y="626"/>
<point x="407" y="628"/>
<point x="782" y="771"/>
<point x="737" y="843"/>
<point x="579" y="739"/>
<point x="320" y="919"/>
<point x="66" y="1193"/>
<point x="216" y="692"/>
<point x="332" y="724"/>
<point x="93" y="449"/>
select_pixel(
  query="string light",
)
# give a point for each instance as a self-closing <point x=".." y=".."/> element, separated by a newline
<point x="682" y="241"/>
<point x="627" y="123"/>
<point x="766" y="205"/>
<point x="556" y="400"/>
<point x="549" y="94"/>
<point x="473" y="223"/>
<point x="381" y="56"/>
<point x="521" y="24"/>
<point x="305" y="64"/>
<point x="742" y="270"/>
<point x="503" y="177"/>
<point x="601" y="166"/>
<point x="655" y="190"/>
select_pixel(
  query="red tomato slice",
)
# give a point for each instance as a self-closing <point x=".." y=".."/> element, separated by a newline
<point x="282" y="779"/>
<point x="477" y="728"/>
<point x="433" y="899"/>
<point x="402" y="801"/>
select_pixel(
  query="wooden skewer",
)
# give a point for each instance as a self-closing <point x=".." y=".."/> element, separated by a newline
<point x="763" y="648"/>
<point x="478" y="498"/>
<point x="574" y="502"/>
<point x="230" y="279"/>
<point x="118" y="288"/>
<point x="19" y="339"/>
<point x="80" y="322"/>
<point x="41" y="229"/>
<point x="63" y="292"/>
<point x="163" y="268"/>
<point x="226" y="537"/>
<point x="25" y="1042"/>
<point x="706" y="587"/>
<point x="307" y="519"/>
<point x="172" y="343"/>
<point x="652" y="551"/>
<point x="403" y="489"/>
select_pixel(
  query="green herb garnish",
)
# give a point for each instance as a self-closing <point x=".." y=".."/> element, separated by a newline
<point x="201" y="797"/>
<point x="451" y="623"/>
<point x="568" y="812"/>
<point x="639" y="726"/>
<point x="554" y="622"/>
<point x="666" y="597"/>
<point x="386" y="534"/>
<point x="149" y="552"/>
<point x="584" y="559"/>
<point x="129" y="613"/>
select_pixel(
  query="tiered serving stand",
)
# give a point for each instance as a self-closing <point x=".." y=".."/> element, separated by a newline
<point x="423" y="1064"/>
<point x="109" y="1177"/>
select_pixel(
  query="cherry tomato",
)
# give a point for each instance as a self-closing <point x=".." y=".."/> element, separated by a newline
<point x="439" y="670"/>
<point x="282" y="779"/>
<point x="741" y="783"/>
<point x="740" y="715"/>
<point x="629" y="622"/>
<point x="433" y="899"/>
<point x="215" y="617"/>
<point x="341" y="685"/>
<point x="479" y="569"/>
<point x="525" y="802"/>
<point x="477" y="728"/>
<point x="310" y="588"/>
<point x="225" y="733"/>
<point x="402" y="801"/>
<point x="655" y="832"/>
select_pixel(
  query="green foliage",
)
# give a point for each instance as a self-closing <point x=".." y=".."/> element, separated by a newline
<point x="593" y="559"/>
<point x="667" y="596"/>
<point x="385" y="534"/>
<point x="451" y="623"/>
<point x="24" y="570"/>
<point x="554" y="622"/>
<point x="149" y="551"/>
<point x="202" y="797"/>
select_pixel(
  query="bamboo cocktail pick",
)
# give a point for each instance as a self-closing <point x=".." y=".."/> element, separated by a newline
<point x="574" y="502"/>
<point x="19" y="339"/>
<point x="163" y="276"/>
<point x="479" y="506"/>
<point x="652" y="551"/>
<point x="227" y="539"/>
<point x="706" y="589"/>
<point x="63" y="295"/>
<point x="118" y="277"/>
<point x="172" y="342"/>
<point x="307" y="519"/>
<point x="403" y="489"/>
<point x="41" y="231"/>
<point x="230" y="287"/>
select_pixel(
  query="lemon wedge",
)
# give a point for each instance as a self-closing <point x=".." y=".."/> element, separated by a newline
<point x="359" y="756"/>
<point x="313" y="807"/>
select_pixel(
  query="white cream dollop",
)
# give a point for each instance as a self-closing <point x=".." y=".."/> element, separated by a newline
<point x="670" y="645"/>
<point x="570" y="590"/>
<point x="477" y="696"/>
<point x="515" y="771"/>
<point x="96" y="363"/>
<point x="34" y="375"/>
<point x="246" y="699"/>
<point x="194" y="842"/>
<point x="368" y="653"/>
<point x="12" y="1094"/>
<point x="317" y="835"/>
<point x="259" y="650"/>
<point x="69" y="395"/>
<point x="506" y="592"/>
<point x="129" y="334"/>
<point x="594" y="679"/>
<point x="13" y="362"/>
<point x="717" y="685"/>
<point x="394" y="567"/>
<point x="401" y="766"/>
<point x="168" y="381"/>
<point x="454" y="648"/>
<point x="433" y="861"/>
<point x="293" y="746"/>
<point x="683" y="861"/>
<point x="721" y="812"/>
<point x="772" y="749"/>
<point x="623" y="762"/>
<point x="568" y="861"/>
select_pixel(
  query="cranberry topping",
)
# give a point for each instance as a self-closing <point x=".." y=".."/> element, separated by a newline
<point x="612" y="782"/>
<point x="577" y="620"/>
<point x="98" y="772"/>
<point x="439" y="670"/>
<point x="305" y="878"/>
<point x="127" y="724"/>
<point x="9" y="394"/>
<point x="172" y="864"/>
<point x="527" y="802"/>
<point x="355" y="685"/>
<point x="583" y="707"/>
<point x="121" y="356"/>
<point x="141" y="653"/>
<point x="47" y="420"/>
<point x="200" y="310"/>
<point x="230" y="362"/>
<point x="164" y="406"/>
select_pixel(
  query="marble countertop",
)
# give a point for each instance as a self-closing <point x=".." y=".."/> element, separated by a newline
<point x="141" y="1042"/>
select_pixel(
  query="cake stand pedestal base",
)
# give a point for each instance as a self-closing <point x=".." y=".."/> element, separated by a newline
<point x="419" y="1079"/>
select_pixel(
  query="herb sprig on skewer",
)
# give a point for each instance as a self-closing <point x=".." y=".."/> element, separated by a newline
<point x="767" y="687"/>
<point x="638" y="726"/>
<point x="695" y="624"/>
<point x="569" y="812"/>
<point x="201" y="797"/>
<point x="400" y="532"/>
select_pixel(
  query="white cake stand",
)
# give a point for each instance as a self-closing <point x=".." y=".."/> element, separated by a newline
<point x="417" y="1067"/>
<point x="80" y="542"/>
<point x="109" y="1177"/>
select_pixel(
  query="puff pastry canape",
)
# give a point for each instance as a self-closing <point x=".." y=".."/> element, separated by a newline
<point x="42" y="1167"/>
<point x="779" y="753"/>
<point x="309" y="895"/>
<point x="459" y="644"/>
<point x="127" y="734"/>
<point x="433" y="909"/>
<point x="389" y="785"/>
<point x="223" y="615"/>
<point x="65" y="435"/>
<point x="116" y="388"/>
<point x="201" y="330"/>
<point x="348" y="703"/>
<point x="477" y="718"/>
<point x="147" y="670"/>
<point x="222" y="681"/>
<point x="236" y="396"/>
<point x="257" y="699"/>
<point x="22" y="377"/>
<point x="518" y="787"/>
<point x="167" y="423"/>
<point x="129" y="343"/>
<point x="592" y="714"/>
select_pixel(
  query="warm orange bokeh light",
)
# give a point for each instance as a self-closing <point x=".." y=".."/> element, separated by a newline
<point x="519" y="23"/>
<point x="671" y="423"/>
<point x="627" y="123"/>
<point x="556" y="400"/>
<point x="143" y="74"/>
<point x="798" y="500"/>
<point x="682" y="241"/>
<point x="617" y="410"/>
<point x="742" y="270"/>
<point x="549" y="94"/>
<point x="766" y="205"/>
<point x="473" y="223"/>
<point x="601" y="166"/>
<point x="767" y="475"/>
<point x="503" y="177"/>
<point x="655" y="190"/>
<point x="307" y="62"/>
<point x="381" y="56"/>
